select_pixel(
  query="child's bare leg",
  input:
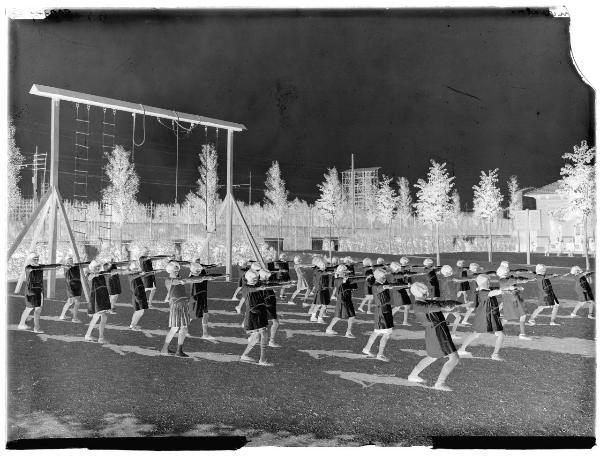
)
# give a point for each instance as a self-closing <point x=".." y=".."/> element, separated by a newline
<point x="577" y="306"/>
<point x="151" y="297"/>
<point x="24" y="316"/>
<point x="465" y="320"/>
<point x="36" y="319"/>
<point x="591" y="309"/>
<point x="238" y="308"/>
<point x="113" y="302"/>
<point x="423" y="363"/>
<point x="446" y="370"/>
<point x="180" y="340"/>
<point x="362" y="303"/>
<point x="63" y="314"/>
<point x="331" y="324"/>
<point x="349" y="329"/>
<point x="168" y="338"/>
<point x="537" y="311"/>
<point x="384" y="340"/>
<point x="252" y="340"/>
<point x="522" y="335"/>
<point x="135" y="318"/>
<point x="367" y="349"/>
<point x="95" y="318"/>
<point x="75" y="310"/>
<point x="455" y="323"/>
<point x="263" y="347"/>
<point x="101" y="327"/>
<point x="469" y="340"/>
<point x="553" y="315"/>
<point x="205" y="334"/>
<point x="499" y="341"/>
<point x="237" y="291"/>
<point x="274" y="327"/>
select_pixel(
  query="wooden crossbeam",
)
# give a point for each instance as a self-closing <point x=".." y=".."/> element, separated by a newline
<point x="136" y="108"/>
<point x="251" y="240"/>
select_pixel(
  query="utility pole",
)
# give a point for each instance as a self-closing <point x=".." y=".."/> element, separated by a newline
<point x="352" y="184"/>
<point x="250" y="190"/>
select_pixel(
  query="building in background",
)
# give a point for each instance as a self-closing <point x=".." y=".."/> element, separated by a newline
<point x="559" y="231"/>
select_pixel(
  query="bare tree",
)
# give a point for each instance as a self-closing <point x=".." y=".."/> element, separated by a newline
<point x="276" y="197"/>
<point x="487" y="202"/>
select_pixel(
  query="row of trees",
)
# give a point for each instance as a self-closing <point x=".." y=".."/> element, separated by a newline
<point x="437" y="200"/>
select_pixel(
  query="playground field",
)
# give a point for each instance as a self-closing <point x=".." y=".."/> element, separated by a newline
<point x="322" y="391"/>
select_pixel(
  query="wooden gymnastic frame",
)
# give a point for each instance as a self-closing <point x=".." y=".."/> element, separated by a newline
<point x="52" y="201"/>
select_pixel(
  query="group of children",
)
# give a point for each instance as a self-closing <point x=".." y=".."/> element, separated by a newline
<point x="104" y="282"/>
<point x="437" y="293"/>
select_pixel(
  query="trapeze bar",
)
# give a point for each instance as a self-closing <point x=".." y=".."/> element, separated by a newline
<point x="79" y="97"/>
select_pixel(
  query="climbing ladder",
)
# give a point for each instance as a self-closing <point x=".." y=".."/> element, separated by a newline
<point x="80" y="181"/>
<point x="108" y="144"/>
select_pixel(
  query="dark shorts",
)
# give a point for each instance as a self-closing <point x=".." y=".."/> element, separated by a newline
<point x="344" y="309"/>
<point x="139" y="303"/>
<point x="438" y="341"/>
<point x="34" y="300"/>
<point x="256" y="319"/>
<point x="198" y="308"/>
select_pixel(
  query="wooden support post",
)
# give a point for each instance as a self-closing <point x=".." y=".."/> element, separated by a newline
<point x="251" y="240"/>
<point x="37" y="233"/>
<point x="32" y="218"/>
<point x="59" y="203"/>
<point x="229" y="213"/>
<point x="528" y="240"/>
<point x="54" y="152"/>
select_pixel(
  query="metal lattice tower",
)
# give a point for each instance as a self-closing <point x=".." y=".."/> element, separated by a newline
<point x="108" y="144"/>
<point x="80" y="181"/>
<point x="366" y="180"/>
<point x="39" y="168"/>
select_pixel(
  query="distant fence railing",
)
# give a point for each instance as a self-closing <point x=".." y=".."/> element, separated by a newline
<point x="299" y="226"/>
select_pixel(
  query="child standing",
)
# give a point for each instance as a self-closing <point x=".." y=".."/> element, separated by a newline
<point x="322" y="293"/>
<point x="139" y="301"/>
<point x="344" y="308"/>
<point x="283" y="273"/>
<point x="270" y="301"/>
<point x="400" y="298"/>
<point x="256" y="319"/>
<point x="448" y="292"/>
<point x="368" y="287"/>
<point x="99" y="305"/>
<point x="149" y="280"/>
<point x="383" y="317"/>
<point x="113" y="283"/>
<point x="179" y="312"/>
<point x="199" y="297"/>
<point x="487" y="317"/>
<point x="546" y="296"/>
<point x="301" y="283"/>
<point x="583" y="291"/>
<point x="438" y="341"/>
<point x="34" y="293"/>
<point x="255" y="267"/>
<point x="512" y="302"/>
<point x="243" y="266"/>
<point x="74" y="288"/>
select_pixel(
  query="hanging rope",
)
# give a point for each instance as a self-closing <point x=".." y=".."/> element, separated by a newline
<point x="176" y="160"/>
<point x="134" y="144"/>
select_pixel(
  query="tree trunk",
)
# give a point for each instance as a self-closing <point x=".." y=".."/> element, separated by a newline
<point x="437" y="243"/>
<point x="278" y="236"/>
<point x="490" y="244"/>
<point x="390" y="238"/>
<point x="585" y="244"/>
<point x="330" y="226"/>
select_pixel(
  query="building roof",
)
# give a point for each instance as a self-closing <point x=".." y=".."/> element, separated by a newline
<point x="361" y="169"/>
<point x="548" y="189"/>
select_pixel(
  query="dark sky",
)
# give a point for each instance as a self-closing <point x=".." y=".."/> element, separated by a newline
<point x="478" y="89"/>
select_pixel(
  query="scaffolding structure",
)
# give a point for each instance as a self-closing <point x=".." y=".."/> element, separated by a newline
<point x="366" y="181"/>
